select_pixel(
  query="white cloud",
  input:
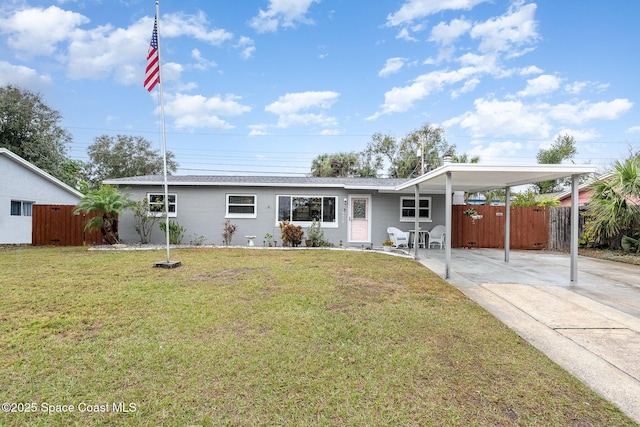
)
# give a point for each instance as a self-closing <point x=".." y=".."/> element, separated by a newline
<point x="468" y="86"/>
<point x="583" y="111"/>
<point x="400" y="99"/>
<point x="202" y="63"/>
<point x="195" y="26"/>
<point x="413" y="10"/>
<point x="392" y="66"/>
<point x="580" y="135"/>
<point x="404" y="34"/>
<point x="283" y="13"/>
<point x="102" y="51"/>
<point x="446" y="34"/>
<point x="258" y="130"/>
<point x="540" y="85"/>
<point x="514" y="117"/>
<point x="247" y="47"/>
<point x="532" y="69"/>
<point x="493" y="117"/>
<point x="37" y="31"/>
<point x="634" y="129"/>
<point x="291" y="106"/>
<point x="515" y="29"/>
<point x="197" y="111"/>
<point x="22" y="76"/>
<point x="496" y="151"/>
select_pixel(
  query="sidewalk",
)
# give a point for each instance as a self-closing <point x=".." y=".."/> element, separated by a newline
<point x="591" y="328"/>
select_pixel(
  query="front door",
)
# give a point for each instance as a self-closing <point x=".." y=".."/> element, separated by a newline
<point x="360" y="219"/>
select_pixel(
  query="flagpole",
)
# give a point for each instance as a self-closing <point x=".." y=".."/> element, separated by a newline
<point x="168" y="263"/>
<point x="164" y="139"/>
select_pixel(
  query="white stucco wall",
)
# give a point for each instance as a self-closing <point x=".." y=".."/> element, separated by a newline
<point x="21" y="183"/>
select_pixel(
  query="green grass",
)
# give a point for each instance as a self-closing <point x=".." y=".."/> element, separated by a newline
<point x="267" y="337"/>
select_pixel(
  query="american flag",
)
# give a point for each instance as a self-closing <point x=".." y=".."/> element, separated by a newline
<point x="152" y="75"/>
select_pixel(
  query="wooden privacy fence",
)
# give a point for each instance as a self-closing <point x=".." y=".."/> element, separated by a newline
<point x="529" y="227"/>
<point x="57" y="225"/>
<point x="560" y="227"/>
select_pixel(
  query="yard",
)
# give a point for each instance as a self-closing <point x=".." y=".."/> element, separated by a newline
<point x="264" y="337"/>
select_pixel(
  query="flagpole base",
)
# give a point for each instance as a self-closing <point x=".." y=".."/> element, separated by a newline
<point x="168" y="264"/>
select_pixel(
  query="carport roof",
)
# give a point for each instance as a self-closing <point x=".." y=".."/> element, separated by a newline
<point x="475" y="177"/>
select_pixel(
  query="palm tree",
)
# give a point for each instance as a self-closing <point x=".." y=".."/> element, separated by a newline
<point x="111" y="203"/>
<point x="613" y="208"/>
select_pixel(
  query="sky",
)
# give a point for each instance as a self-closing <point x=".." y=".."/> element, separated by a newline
<point x="262" y="87"/>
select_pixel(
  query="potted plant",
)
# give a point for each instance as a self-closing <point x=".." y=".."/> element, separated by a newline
<point x="315" y="235"/>
<point x="387" y="245"/>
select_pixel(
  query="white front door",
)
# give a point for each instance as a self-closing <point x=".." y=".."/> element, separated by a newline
<point x="360" y="218"/>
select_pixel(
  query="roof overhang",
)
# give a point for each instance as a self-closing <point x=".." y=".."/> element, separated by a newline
<point x="475" y="177"/>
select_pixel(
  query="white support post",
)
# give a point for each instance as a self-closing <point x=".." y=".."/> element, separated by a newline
<point x="507" y="222"/>
<point x="448" y="201"/>
<point x="575" y="202"/>
<point x="416" y="225"/>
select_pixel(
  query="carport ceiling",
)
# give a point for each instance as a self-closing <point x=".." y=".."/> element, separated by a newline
<point x="480" y="177"/>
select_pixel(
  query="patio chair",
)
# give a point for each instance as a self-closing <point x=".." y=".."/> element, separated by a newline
<point x="400" y="238"/>
<point x="437" y="236"/>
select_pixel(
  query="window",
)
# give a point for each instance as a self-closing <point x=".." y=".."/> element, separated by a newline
<point x="241" y="206"/>
<point x="20" y="208"/>
<point x="408" y="209"/>
<point x="305" y="209"/>
<point x="156" y="204"/>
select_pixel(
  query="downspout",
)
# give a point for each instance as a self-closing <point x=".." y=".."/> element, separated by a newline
<point x="574" y="227"/>
<point x="507" y="222"/>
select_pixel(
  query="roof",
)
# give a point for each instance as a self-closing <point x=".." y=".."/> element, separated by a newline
<point x="36" y="170"/>
<point x="469" y="177"/>
<point x="476" y="177"/>
<point x="380" y="184"/>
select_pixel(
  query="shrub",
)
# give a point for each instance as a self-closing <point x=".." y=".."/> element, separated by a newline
<point x="316" y="234"/>
<point x="176" y="231"/>
<point x="144" y="220"/>
<point x="228" y="231"/>
<point x="291" y="234"/>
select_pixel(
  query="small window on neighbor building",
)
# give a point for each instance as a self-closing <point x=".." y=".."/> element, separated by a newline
<point x="21" y="208"/>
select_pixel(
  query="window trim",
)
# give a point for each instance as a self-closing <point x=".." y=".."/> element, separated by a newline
<point x="173" y="214"/>
<point x="413" y="218"/>
<point x="304" y="224"/>
<point x="241" y="215"/>
<point x="23" y="206"/>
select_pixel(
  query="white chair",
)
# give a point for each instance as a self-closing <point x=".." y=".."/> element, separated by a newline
<point x="437" y="235"/>
<point x="399" y="237"/>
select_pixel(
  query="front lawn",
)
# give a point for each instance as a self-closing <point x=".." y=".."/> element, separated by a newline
<point x="265" y="337"/>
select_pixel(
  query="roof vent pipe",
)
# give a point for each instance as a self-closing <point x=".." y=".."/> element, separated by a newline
<point x="446" y="160"/>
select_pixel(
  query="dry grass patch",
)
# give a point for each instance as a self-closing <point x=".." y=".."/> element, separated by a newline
<point x="267" y="337"/>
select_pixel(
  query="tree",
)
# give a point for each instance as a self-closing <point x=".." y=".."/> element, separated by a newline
<point x="124" y="156"/>
<point x="613" y="210"/>
<point x="335" y="165"/>
<point x="111" y="203"/>
<point x="402" y="158"/>
<point x="563" y="148"/>
<point x="30" y="128"/>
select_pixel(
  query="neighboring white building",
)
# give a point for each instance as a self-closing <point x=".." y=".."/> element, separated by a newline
<point x="21" y="186"/>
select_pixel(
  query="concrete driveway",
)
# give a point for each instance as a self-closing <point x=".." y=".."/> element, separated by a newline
<point x="591" y="328"/>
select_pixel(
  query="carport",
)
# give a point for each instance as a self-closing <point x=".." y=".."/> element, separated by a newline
<point x="472" y="178"/>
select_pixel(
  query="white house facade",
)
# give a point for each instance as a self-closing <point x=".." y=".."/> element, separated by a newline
<point x="23" y="185"/>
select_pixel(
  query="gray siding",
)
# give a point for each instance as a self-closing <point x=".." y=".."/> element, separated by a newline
<point x="201" y="210"/>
